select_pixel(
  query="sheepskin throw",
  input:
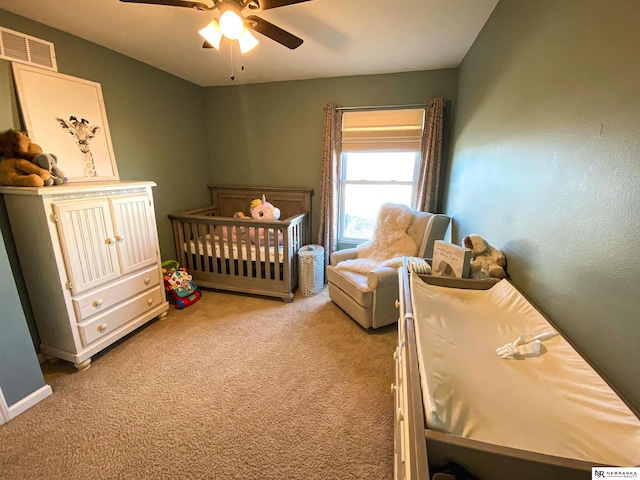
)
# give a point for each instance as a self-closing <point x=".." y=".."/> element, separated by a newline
<point x="390" y="241"/>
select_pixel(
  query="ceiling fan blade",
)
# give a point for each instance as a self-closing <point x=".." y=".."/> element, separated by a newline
<point x="269" y="4"/>
<point x="268" y="29"/>
<point x="174" y="3"/>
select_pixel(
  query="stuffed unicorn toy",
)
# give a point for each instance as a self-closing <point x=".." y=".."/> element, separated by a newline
<point x="265" y="211"/>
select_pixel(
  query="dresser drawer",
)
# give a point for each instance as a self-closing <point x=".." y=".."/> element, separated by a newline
<point x="107" y="322"/>
<point x="102" y="299"/>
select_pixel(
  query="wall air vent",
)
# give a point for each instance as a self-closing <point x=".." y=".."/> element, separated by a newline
<point x="18" y="47"/>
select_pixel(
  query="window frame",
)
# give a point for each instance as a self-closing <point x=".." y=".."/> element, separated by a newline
<point x="343" y="182"/>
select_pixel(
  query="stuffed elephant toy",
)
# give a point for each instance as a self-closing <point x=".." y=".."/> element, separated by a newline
<point x="49" y="161"/>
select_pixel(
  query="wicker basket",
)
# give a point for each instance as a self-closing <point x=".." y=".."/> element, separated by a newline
<point x="311" y="263"/>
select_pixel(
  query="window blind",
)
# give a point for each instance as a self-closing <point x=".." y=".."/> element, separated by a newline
<point x="382" y="130"/>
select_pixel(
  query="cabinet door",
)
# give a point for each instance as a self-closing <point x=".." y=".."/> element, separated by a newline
<point x="88" y="245"/>
<point x="134" y="232"/>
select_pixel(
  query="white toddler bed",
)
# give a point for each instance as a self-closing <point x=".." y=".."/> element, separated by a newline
<point x="541" y="416"/>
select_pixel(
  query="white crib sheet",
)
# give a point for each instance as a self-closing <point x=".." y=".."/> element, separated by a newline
<point x="253" y="253"/>
<point x="554" y="404"/>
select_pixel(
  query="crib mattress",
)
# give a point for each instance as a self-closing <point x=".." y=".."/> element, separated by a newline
<point x="554" y="403"/>
<point x="252" y="252"/>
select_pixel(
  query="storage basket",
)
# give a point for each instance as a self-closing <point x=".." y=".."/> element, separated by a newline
<point x="311" y="263"/>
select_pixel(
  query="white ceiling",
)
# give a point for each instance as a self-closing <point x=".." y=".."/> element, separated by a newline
<point x="341" y="37"/>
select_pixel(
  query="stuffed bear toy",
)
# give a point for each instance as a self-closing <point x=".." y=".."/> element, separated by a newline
<point x="16" y="166"/>
<point x="49" y="161"/>
<point x="486" y="261"/>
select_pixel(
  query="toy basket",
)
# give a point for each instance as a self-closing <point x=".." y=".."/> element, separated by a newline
<point x="311" y="263"/>
<point x="179" y="284"/>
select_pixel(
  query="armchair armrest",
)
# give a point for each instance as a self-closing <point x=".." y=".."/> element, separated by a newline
<point x="346" y="254"/>
<point x="382" y="277"/>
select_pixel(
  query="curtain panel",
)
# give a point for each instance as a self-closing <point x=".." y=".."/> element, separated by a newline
<point x="428" y="193"/>
<point x="331" y="152"/>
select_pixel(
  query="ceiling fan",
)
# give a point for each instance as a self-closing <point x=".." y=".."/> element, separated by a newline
<point x="213" y="32"/>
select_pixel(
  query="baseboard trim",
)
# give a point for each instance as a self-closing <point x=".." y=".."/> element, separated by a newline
<point x="24" y="404"/>
<point x="4" y="409"/>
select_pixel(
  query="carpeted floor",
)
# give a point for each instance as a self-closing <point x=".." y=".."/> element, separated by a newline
<point x="233" y="387"/>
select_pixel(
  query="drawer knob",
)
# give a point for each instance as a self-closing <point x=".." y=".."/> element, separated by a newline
<point x="109" y="241"/>
<point x="97" y="303"/>
<point x="102" y="327"/>
<point x="150" y="301"/>
<point x="393" y="388"/>
<point x="119" y="238"/>
<point x="147" y="281"/>
<point x="397" y="304"/>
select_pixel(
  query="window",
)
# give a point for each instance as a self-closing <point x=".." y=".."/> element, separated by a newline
<point x="380" y="163"/>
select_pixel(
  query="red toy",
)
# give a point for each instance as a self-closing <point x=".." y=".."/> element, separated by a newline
<point x="180" y="284"/>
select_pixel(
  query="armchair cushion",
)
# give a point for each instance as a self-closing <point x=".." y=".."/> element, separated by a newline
<point x="352" y="283"/>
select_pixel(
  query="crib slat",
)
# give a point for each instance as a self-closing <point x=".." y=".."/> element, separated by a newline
<point x="233" y="253"/>
<point x="187" y="245"/>
<point x="179" y="234"/>
<point x="196" y="245"/>
<point x="276" y="251"/>
<point x="211" y="256"/>
<point x="225" y="251"/>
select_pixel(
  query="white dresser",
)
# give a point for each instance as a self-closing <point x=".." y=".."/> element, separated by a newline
<point x="91" y="262"/>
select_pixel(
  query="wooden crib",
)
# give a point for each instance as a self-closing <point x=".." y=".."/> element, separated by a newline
<point x="224" y="253"/>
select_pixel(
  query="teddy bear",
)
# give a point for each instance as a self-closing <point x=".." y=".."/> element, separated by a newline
<point x="486" y="261"/>
<point x="16" y="166"/>
<point x="49" y="161"/>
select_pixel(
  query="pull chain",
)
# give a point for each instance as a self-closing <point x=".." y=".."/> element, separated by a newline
<point x="233" y="77"/>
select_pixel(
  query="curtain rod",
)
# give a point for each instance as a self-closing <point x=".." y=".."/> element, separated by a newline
<point x="386" y="107"/>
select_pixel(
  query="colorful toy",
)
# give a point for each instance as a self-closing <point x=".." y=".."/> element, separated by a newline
<point x="180" y="284"/>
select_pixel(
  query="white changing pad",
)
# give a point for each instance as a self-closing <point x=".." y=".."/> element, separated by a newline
<point x="253" y="253"/>
<point x="554" y="404"/>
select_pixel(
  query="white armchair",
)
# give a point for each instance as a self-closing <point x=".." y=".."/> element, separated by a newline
<point x="369" y="296"/>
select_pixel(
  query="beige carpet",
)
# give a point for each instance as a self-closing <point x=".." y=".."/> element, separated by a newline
<point x="233" y="387"/>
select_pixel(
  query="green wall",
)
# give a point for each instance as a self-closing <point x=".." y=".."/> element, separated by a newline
<point x="157" y="124"/>
<point x="20" y="373"/>
<point x="546" y="164"/>
<point x="270" y="134"/>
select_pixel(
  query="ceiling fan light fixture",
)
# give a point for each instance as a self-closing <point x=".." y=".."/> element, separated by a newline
<point x="212" y="34"/>
<point x="231" y="24"/>
<point x="247" y="41"/>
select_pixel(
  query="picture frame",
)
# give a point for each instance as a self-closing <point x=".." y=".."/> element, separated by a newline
<point x="450" y="260"/>
<point x="66" y="116"/>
